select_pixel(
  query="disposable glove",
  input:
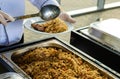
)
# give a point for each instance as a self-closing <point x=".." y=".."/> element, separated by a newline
<point x="4" y="17"/>
<point x="64" y="16"/>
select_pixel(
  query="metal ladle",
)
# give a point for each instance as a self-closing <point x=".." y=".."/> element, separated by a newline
<point x="47" y="12"/>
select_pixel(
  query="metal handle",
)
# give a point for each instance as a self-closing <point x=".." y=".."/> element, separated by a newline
<point x="27" y="16"/>
<point x="47" y="12"/>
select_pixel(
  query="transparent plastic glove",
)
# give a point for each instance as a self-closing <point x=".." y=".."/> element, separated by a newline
<point x="4" y="17"/>
<point x="64" y="16"/>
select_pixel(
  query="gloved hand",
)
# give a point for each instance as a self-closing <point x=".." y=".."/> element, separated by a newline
<point x="64" y="16"/>
<point x="4" y="17"/>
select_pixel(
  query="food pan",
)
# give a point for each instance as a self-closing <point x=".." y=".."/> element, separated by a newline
<point x="81" y="40"/>
<point x="107" y="32"/>
<point x="4" y="67"/>
<point x="10" y="75"/>
<point x="11" y="56"/>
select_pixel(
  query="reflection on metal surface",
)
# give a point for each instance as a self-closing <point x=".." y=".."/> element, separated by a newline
<point x="82" y="40"/>
<point x="59" y="44"/>
<point x="107" y="31"/>
<point x="10" y="75"/>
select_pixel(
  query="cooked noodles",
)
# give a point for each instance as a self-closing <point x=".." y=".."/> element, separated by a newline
<point x="55" y="63"/>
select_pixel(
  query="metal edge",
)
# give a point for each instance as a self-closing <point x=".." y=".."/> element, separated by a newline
<point x="84" y="56"/>
<point x="102" y="44"/>
<point x="91" y="58"/>
<point x="98" y="62"/>
<point x="7" y="67"/>
<point x="25" y="44"/>
<point x="93" y="40"/>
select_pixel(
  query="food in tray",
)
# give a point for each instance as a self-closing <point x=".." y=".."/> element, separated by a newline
<point x="53" y="26"/>
<point x="56" y="63"/>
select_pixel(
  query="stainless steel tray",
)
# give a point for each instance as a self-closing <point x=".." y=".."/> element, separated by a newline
<point x="10" y="75"/>
<point x="53" y="41"/>
<point x="107" y="32"/>
<point x="112" y="41"/>
<point x="101" y="52"/>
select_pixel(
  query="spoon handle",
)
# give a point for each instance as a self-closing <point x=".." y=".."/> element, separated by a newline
<point x="27" y="16"/>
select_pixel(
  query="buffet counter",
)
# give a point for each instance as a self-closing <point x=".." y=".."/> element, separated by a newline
<point x="74" y="59"/>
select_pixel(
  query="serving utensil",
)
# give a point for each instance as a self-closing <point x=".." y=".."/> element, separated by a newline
<point x="47" y="12"/>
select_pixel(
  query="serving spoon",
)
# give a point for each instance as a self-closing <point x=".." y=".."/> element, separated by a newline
<point x="47" y="13"/>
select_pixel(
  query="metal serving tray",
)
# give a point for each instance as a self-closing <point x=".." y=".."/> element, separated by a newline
<point x="99" y="51"/>
<point x="107" y="32"/>
<point x="10" y="75"/>
<point x="4" y="67"/>
<point x="56" y="42"/>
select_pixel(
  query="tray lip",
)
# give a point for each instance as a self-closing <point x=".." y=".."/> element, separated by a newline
<point x="9" y="69"/>
<point x="94" y="40"/>
<point x="93" y="61"/>
<point x="25" y="44"/>
<point x="11" y="74"/>
<point x="98" y="43"/>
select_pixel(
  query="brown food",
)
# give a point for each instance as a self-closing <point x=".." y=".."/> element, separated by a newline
<point x="53" y="26"/>
<point x="55" y="63"/>
<point x="38" y="27"/>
